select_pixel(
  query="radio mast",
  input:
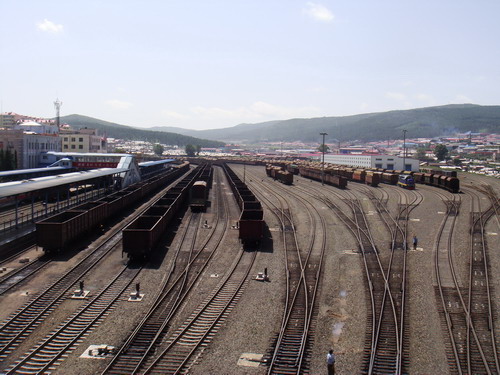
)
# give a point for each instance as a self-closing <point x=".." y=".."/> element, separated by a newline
<point x="57" y="105"/>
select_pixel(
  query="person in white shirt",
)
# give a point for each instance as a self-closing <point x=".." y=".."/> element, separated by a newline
<point x="330" y="362"/>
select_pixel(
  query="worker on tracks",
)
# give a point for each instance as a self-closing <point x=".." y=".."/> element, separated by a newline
<point x="330" y="362"/>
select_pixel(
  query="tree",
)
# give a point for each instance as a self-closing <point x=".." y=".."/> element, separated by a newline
<point x="198" y="149"/>
<point x="457" y="162"/>
<point x="441" y="151"/>
<point x="190" y="150"/>
<point x="320" y="148"/>
<point x="158" y="149"/>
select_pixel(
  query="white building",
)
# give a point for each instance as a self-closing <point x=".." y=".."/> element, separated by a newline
<point x="373" y="161"/>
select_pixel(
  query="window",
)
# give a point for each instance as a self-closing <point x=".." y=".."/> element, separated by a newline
<point x="80" y="147"/>
<point x="73" y="139"/>
<point x="80" y="139"/>
<point x="378" y="165"/>
<point x="65" y="139"/>
<point x="65" y="146"/>
<point x="390" y="166"/>
<point x="72" y="147"/>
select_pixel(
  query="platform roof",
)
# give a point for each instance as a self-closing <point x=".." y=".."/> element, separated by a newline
<point x="16" y="172"/>
<point x="41" y="183"/>
<point x="155" y="162"/>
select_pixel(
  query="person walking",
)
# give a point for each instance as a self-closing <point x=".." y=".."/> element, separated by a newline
<point x="415" y="242"/>
<point x="330" y="362"/>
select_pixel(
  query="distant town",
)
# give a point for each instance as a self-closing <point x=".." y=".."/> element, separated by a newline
<point x="23" y="139"/>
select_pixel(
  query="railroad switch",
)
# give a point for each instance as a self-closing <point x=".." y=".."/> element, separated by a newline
<point x="99" y="351"/>
<point x="80" y="293"/>
<point x="137" y="295"/>
<point x="262" y="276"/>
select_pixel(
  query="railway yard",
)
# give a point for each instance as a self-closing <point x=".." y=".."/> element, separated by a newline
<point x="330" y="269"/>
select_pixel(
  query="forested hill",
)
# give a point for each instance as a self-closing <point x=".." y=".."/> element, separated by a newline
<point x="423" y="122"/>
<point x="126" y="132"/>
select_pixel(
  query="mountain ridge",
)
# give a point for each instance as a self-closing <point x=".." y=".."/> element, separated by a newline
<point x="426" y="122"/>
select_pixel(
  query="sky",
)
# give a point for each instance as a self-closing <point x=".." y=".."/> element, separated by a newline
<point x="213" y="64"/>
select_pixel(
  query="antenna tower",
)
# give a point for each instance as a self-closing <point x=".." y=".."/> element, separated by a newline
<point x="57" y="105"/>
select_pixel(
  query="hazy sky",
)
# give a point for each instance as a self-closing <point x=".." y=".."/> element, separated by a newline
<point x="209" y="64"/>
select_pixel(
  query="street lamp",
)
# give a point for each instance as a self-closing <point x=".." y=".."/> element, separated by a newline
<point x="323" y="160"/>
<point x="404" y="149"/>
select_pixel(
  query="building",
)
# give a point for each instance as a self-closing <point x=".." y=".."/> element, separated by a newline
<point x="82" y="140"/>
<point x="28" y="145"/>
<point x="373" y="161"/>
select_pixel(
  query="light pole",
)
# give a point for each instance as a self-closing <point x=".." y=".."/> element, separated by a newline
<point x="323" y="160"/>
<point x="404" y="149"/>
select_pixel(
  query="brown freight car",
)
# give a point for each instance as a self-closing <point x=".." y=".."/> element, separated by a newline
<point x="58" y="231"/>
<point x="372" y="178"/>
<point x="389" y="178"/>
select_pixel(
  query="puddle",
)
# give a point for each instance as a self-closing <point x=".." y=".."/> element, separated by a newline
<point x="337" y="329"/>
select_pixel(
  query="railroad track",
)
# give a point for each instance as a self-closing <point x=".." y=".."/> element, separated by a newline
<point x="480" y="301"/>
<point x="186" y="345"/>
<point x="15" y="277"/>
<point x="466" y="310"/>
<point x="137" y="351"/>
<point x="303" y="266"/>
<point x="385" y="284"/>
<point x="23" y="322"/>
<point x="45" y="356"/>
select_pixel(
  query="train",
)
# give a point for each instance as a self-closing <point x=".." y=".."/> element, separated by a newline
<point x="328" y="178"/>
<point x="373" y="176"/>
<point x="57" y="232"/>
<point x="142" y="235"/>
<point x="406" y="181"/>
<point x="251" y="222"/>
<point x="280" y="174"/>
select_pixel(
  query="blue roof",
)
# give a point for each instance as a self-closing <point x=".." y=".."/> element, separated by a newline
<point x="156" y="162"/>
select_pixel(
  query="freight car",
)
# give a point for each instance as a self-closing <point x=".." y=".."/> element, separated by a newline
<point x="251" y="221"/>
<point x="359" y="175"/>
<point x="389" y="178"/>
<point x="55" y="233"/>
<point x="372" y="178"/>
<point x="198" y="196"/>
<point x="315" y="174"/>
<point x="141" y="236"/>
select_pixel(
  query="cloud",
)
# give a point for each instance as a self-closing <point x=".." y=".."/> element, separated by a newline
<point x="175" y="115"/>
<point x="118" y="104"/>
<point x="49" y="26"/>
<point x="395" y="95"/>
<point x="319" y="12"/>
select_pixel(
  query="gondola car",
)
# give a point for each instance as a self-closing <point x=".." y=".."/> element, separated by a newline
<point x="198" y="196"/>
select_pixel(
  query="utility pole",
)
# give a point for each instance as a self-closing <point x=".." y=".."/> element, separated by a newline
<point x="57" y="105"/>
<point x="404" y="149"/>
<point x="323" y="160"/>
